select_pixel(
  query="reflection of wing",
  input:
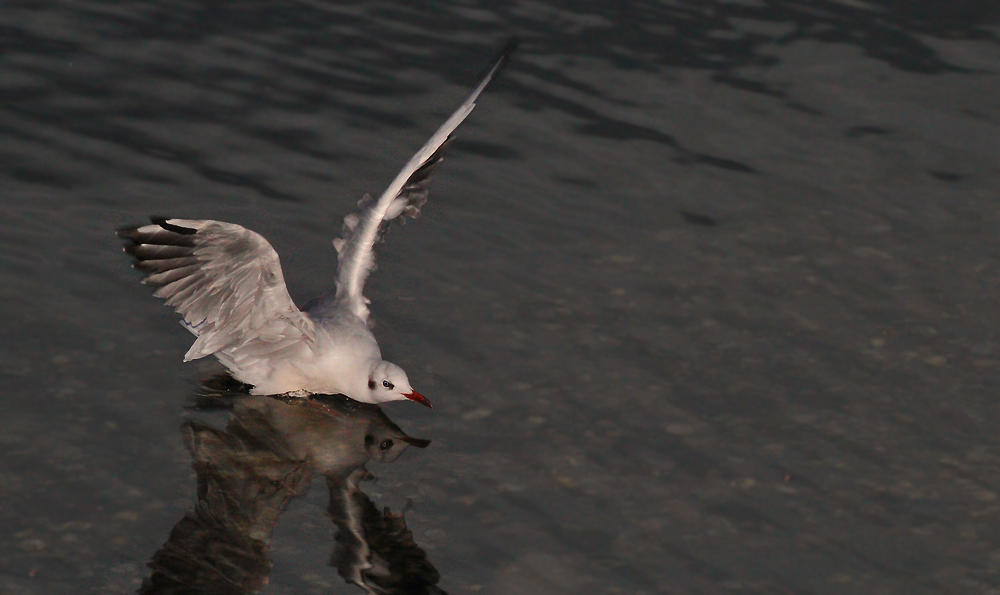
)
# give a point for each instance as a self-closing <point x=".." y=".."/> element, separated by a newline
<point x="375" y="550"/>
<point x="405" y="195"/>
<point x="225" y="281"/>
<point x="248" y="473"/>
<point x="244" y="484"/>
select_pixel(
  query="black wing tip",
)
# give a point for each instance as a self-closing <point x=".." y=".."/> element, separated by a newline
<point x="502" y="57"/>
<point x="162" y="222"/>
<point x="512" y="42"/>
<point x="130" y="232"/>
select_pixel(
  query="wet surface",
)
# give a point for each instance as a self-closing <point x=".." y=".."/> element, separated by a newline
<point x="704" y="294"/>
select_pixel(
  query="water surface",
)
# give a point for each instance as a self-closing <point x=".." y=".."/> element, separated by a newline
<point x="705" y="294"/>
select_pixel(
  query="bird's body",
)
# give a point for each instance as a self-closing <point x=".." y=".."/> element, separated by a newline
<point x="227" y="284"/>
<point x="342" y="344"/>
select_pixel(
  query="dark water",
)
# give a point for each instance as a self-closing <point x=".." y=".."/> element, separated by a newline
<point x="705" y="294"/>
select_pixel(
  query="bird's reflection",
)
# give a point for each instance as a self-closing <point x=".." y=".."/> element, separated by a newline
<point x="267" y="455"/>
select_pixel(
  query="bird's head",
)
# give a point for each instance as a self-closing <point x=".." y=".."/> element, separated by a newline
<point x="386" y="446"/>
<point x="388" y="382"/>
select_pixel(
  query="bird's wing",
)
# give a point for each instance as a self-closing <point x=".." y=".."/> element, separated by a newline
<point x="404" y="196"/>
<point x="226" y="283"/>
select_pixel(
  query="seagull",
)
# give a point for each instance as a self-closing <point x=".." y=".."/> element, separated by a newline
<point x="226" y="283"/>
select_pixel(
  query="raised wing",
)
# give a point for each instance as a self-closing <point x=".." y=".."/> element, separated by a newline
<point x="404" y="196"/>
<point x="226" y="283"/>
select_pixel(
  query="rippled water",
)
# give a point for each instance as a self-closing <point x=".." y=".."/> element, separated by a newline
<point x="705" y="294"/>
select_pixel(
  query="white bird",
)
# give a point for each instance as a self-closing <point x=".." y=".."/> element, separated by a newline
<point x="226" y="283"/>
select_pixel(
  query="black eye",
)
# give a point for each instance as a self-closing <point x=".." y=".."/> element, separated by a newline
<point x="386" y="384"/>
<point x="371" y="384"/>
<point x="386" y="445"/>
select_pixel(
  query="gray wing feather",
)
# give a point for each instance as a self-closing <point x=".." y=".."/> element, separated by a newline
<point x="404" y="196"/>
<point x="226" y="283"/>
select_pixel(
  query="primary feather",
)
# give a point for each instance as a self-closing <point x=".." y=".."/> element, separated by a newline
<point x="405" y="195"/>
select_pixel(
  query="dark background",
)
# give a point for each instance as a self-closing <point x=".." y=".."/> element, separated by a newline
<point x="704" y="295"/>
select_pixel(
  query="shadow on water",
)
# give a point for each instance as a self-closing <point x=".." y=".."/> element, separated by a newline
<point x="266" y="456"/>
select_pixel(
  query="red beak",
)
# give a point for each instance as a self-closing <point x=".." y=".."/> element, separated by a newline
<point x="419" y="398"/>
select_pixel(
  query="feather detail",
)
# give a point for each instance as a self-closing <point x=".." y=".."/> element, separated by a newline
<point x="225" y="282"/>
<point x="406" y="195"/>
